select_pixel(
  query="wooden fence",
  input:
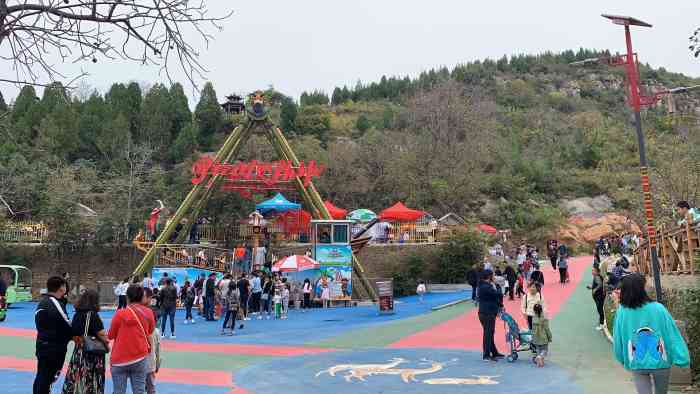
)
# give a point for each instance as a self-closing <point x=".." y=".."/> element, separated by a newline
<point x="24" y="231"/>
<point x="678" y="248"/>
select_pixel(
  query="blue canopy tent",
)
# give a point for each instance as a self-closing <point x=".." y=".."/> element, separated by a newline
<point x="278" y="203"/>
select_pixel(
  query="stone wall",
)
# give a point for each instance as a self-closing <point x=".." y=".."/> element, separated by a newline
<point x="88" y="267"/>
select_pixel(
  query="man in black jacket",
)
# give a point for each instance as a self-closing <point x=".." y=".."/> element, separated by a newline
<point x="210" y="297"/>
<point x="53" y="334"/>
<point x="473" y="280"/>
<point x="490" y="303"/>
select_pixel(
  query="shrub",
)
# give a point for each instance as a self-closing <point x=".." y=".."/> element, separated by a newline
<point x="462" y="250"/>
<point x="406" y="279"/>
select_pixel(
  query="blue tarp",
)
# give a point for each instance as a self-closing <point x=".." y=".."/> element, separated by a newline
<point x="278" y="204"/>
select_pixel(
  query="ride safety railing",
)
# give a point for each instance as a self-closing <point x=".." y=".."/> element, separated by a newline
<point x="678" y="248"/>
<point x="24" y="231"/>
<point x="192" y="255"/>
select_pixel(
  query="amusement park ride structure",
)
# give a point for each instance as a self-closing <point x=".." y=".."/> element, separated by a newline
<point x="257" y="120"/>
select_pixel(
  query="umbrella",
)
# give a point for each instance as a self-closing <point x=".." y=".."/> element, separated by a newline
<point x="277" y="203"/>
<point x="362" y="215"/>
<point x="295" y="263"/>
<point x="487" y="229"/>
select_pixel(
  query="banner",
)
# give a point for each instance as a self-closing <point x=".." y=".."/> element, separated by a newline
<point x="180" y="275"/>
<point x="335" y="271"/>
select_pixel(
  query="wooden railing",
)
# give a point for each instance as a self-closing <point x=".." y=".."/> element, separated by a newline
<point x="191" y="255"/>
<point x="25" y="231"/>
<point x="678" y="248"/>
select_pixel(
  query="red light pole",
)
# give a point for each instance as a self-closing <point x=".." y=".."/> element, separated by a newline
<point x="636" y="101"/>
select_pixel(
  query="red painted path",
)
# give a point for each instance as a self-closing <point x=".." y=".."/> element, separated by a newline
<point x="465" y="333"/>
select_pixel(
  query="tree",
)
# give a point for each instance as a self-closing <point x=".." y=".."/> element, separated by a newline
<point x="208" y="113"/>
<point x="3" y="105"/>
<point x="314" y="120"/>
<point x="126" y="100"/>
<point x="462" y="250"/>
<point x="185" y="143"/>
<point x="288" y="114"/>
<point x="317" y="97"/>
<point x="180" y="109"/>
<point x="156" y="118"/>
<point x="34" y="31"/>
<point x="362" y="123"/>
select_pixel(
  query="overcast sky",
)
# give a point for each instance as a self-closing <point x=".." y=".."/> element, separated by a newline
<point x="305" y="45"/>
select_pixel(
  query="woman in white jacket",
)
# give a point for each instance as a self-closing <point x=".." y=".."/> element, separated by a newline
<point x="532" y="297"/>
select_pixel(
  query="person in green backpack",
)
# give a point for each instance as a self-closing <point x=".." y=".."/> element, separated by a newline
<point x="646" y="340"/>
<point x="541" y="335"/>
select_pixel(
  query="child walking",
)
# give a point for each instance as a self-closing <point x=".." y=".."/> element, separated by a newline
<point x="420" y="290"/>
<point x="154" y="357"/>
<point x="541" y="335"/>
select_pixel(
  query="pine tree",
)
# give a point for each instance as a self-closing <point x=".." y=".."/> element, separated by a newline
<point x="156" y="119"/>
<point x="337" y="97"/>
<point x="180" y="109"/>
<point x="3" y="104"/>
<point x="208" y="114"/>
<point x="185" y="143"/>
<point x="288" y="114"/>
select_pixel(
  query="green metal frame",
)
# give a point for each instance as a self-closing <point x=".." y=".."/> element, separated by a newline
<point x="197" y="198"/>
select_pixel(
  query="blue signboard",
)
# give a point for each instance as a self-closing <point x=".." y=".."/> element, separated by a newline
<point x="180" y="275"/>
<point x="336" y="269"/>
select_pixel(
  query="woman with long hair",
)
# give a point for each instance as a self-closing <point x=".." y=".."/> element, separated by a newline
<point x="86" y="371"/>
<point x="646" y="340"/>
<point x="597" y="288"/>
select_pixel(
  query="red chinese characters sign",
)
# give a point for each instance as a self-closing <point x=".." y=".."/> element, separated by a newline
<point x="255" y="176"/>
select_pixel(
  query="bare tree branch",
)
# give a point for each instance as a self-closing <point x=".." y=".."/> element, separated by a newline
<point x="33" y="32"/>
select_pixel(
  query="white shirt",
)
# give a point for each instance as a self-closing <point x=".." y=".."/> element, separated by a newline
<point x="147" y="283"/>
<point x="121" y="288"/>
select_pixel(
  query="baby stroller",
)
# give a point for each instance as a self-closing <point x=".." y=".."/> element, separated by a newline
<point x="518" y="340"/>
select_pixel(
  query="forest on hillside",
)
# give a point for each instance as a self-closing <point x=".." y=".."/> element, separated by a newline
<point x="501" y="141"/>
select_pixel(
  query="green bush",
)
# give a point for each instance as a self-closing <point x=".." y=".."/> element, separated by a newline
<point x="406" y="280"/>
<point x="462" y="250"/>
<point x="684" y="304"/>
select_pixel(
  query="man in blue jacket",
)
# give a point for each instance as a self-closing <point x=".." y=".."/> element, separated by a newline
<point x="490" y="303"/>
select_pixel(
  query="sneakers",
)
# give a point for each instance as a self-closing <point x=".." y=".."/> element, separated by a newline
<point x="247" y="319"/>
<point x="599" y="327"/>
<point x="187" y="322"/>
<point x="192" y="321"/>
<point x="172" y="336"/>
<point x="223" y="332"/>
<point x="162" y="336"/>
<point x="259" y="317"/>
<point x="268" y="317"/>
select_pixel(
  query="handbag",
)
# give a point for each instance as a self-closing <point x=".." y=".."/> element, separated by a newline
<point x="92" y="345"/>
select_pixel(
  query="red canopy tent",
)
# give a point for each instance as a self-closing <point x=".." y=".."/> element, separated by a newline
<point x="336" y="213"/>
<point x="296" y="221"/>
<point x="400" y="212"/>
<point x="488" y="229"/>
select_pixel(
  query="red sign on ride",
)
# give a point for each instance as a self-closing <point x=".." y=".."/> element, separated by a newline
<point x="255" y="172"/>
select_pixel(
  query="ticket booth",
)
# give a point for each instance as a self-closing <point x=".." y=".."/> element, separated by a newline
<point x="331" y="249"/>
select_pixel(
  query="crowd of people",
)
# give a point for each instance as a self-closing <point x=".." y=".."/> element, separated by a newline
<point x="132" y="339"/>
<point x="521" y="276"/>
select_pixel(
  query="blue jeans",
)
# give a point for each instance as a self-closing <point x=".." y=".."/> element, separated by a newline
<point x="168" y="313"/>
<point x="135" y="372"/>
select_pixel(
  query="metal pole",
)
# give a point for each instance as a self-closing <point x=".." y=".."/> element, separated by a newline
<point x="643" y="169"/>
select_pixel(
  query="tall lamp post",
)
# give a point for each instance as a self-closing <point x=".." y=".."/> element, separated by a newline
<point x="636" y="100"/>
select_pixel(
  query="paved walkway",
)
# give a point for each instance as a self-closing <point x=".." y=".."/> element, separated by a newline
<point x="351" y="349"/>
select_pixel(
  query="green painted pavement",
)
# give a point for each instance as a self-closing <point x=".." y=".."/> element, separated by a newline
<point x="385" y="334"/>
<point x="585" y="352"/>
<point x="209" y="361"/>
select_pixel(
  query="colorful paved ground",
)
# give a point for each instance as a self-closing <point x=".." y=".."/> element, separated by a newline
<point x="421" y="346"/>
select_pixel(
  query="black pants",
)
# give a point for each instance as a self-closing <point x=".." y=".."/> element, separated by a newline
<point x="599" y="301"/>
<point x="562" y="275"/>
<point x="553" y="260"/>
<point x="529" y="322"/>
<point x="50" y="358"/>
<point x="230" y="316"/>
<point x="511" y="290"/>
<point x="122" y="302"/>
<point x="307" y="300"/>
<point x="488" y="322"/>
<point x="188" y="310"/>
<point x="244" y="307"/>
<point x="255" y="302"/>
<point x="473" y="292"/>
